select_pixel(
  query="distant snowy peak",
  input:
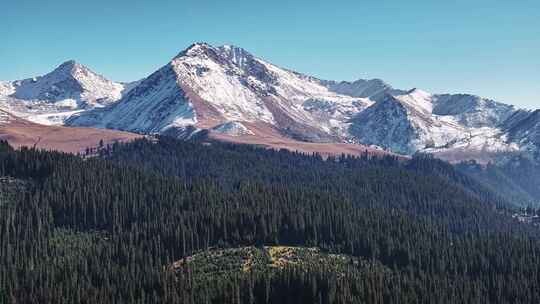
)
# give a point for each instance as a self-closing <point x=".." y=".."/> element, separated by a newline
<point x="467" y="110"/>
<point x="55" y="96"/>
<point x="69" y="81"/>
<point x="420" y="121"/>
<point x="471" y="110"/>
<point x="374" y="89"/>
<point x="404" y="124"/>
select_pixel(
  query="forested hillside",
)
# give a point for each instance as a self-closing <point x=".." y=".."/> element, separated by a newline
<point x="109" y="229"/>
<point x="516" y="177"/>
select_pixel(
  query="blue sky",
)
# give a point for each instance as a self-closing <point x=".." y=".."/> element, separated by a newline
<point x="488" y="48"/>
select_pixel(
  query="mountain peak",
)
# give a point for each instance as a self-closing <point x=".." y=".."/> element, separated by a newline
<point x="70" y="86"/>
<point x="68" y="67"/>
<point x="70" y="62"/>
<point x="199" y="45"/>
<point x="233" y="53"/>
<point x="195" y="49"/>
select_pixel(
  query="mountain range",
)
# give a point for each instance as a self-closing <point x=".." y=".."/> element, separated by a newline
<point x="228" y="93"/>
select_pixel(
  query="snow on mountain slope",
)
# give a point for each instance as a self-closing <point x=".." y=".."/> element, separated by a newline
<point x="385" y="124"/>
<point x="228" y="91"/>
<point x="51" y="98"/>
<point x="154" y="105"/>
<point x="460" y="123"/>
<point x="70" y="80"/>
<point x="472" y="111"/>
<point x="222" y="83"/>
<point x="523" y="128"/>
<point x="307" y="98"/>
<point x="219" y="85"/>
<point x="405" y="124"/>
<point x="420" y="121"/>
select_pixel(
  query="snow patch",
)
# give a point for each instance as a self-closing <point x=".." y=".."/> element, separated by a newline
<point x="66" y="103"/>
<point x="51" y="119"/>
<point x="233" y="128"/>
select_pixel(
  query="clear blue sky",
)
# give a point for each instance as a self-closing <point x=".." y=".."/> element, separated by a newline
<point x="489" y="48"/>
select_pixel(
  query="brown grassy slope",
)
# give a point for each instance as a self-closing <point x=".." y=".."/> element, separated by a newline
<point x="19" y="132"/>
<point x="267" y="137"/>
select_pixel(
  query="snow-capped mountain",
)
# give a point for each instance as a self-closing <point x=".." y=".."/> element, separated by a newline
<point x="472" y="111"/>
<point x="51" y="98"/>
<point x="388" y="124"/>
<point x="207" y="87"/>
<point x="419" y="121"/>
<point x="228" y="91"/>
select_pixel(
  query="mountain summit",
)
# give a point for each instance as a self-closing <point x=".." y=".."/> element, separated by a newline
<point x="70" y="80"/>
<point x="50" y="98"/>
